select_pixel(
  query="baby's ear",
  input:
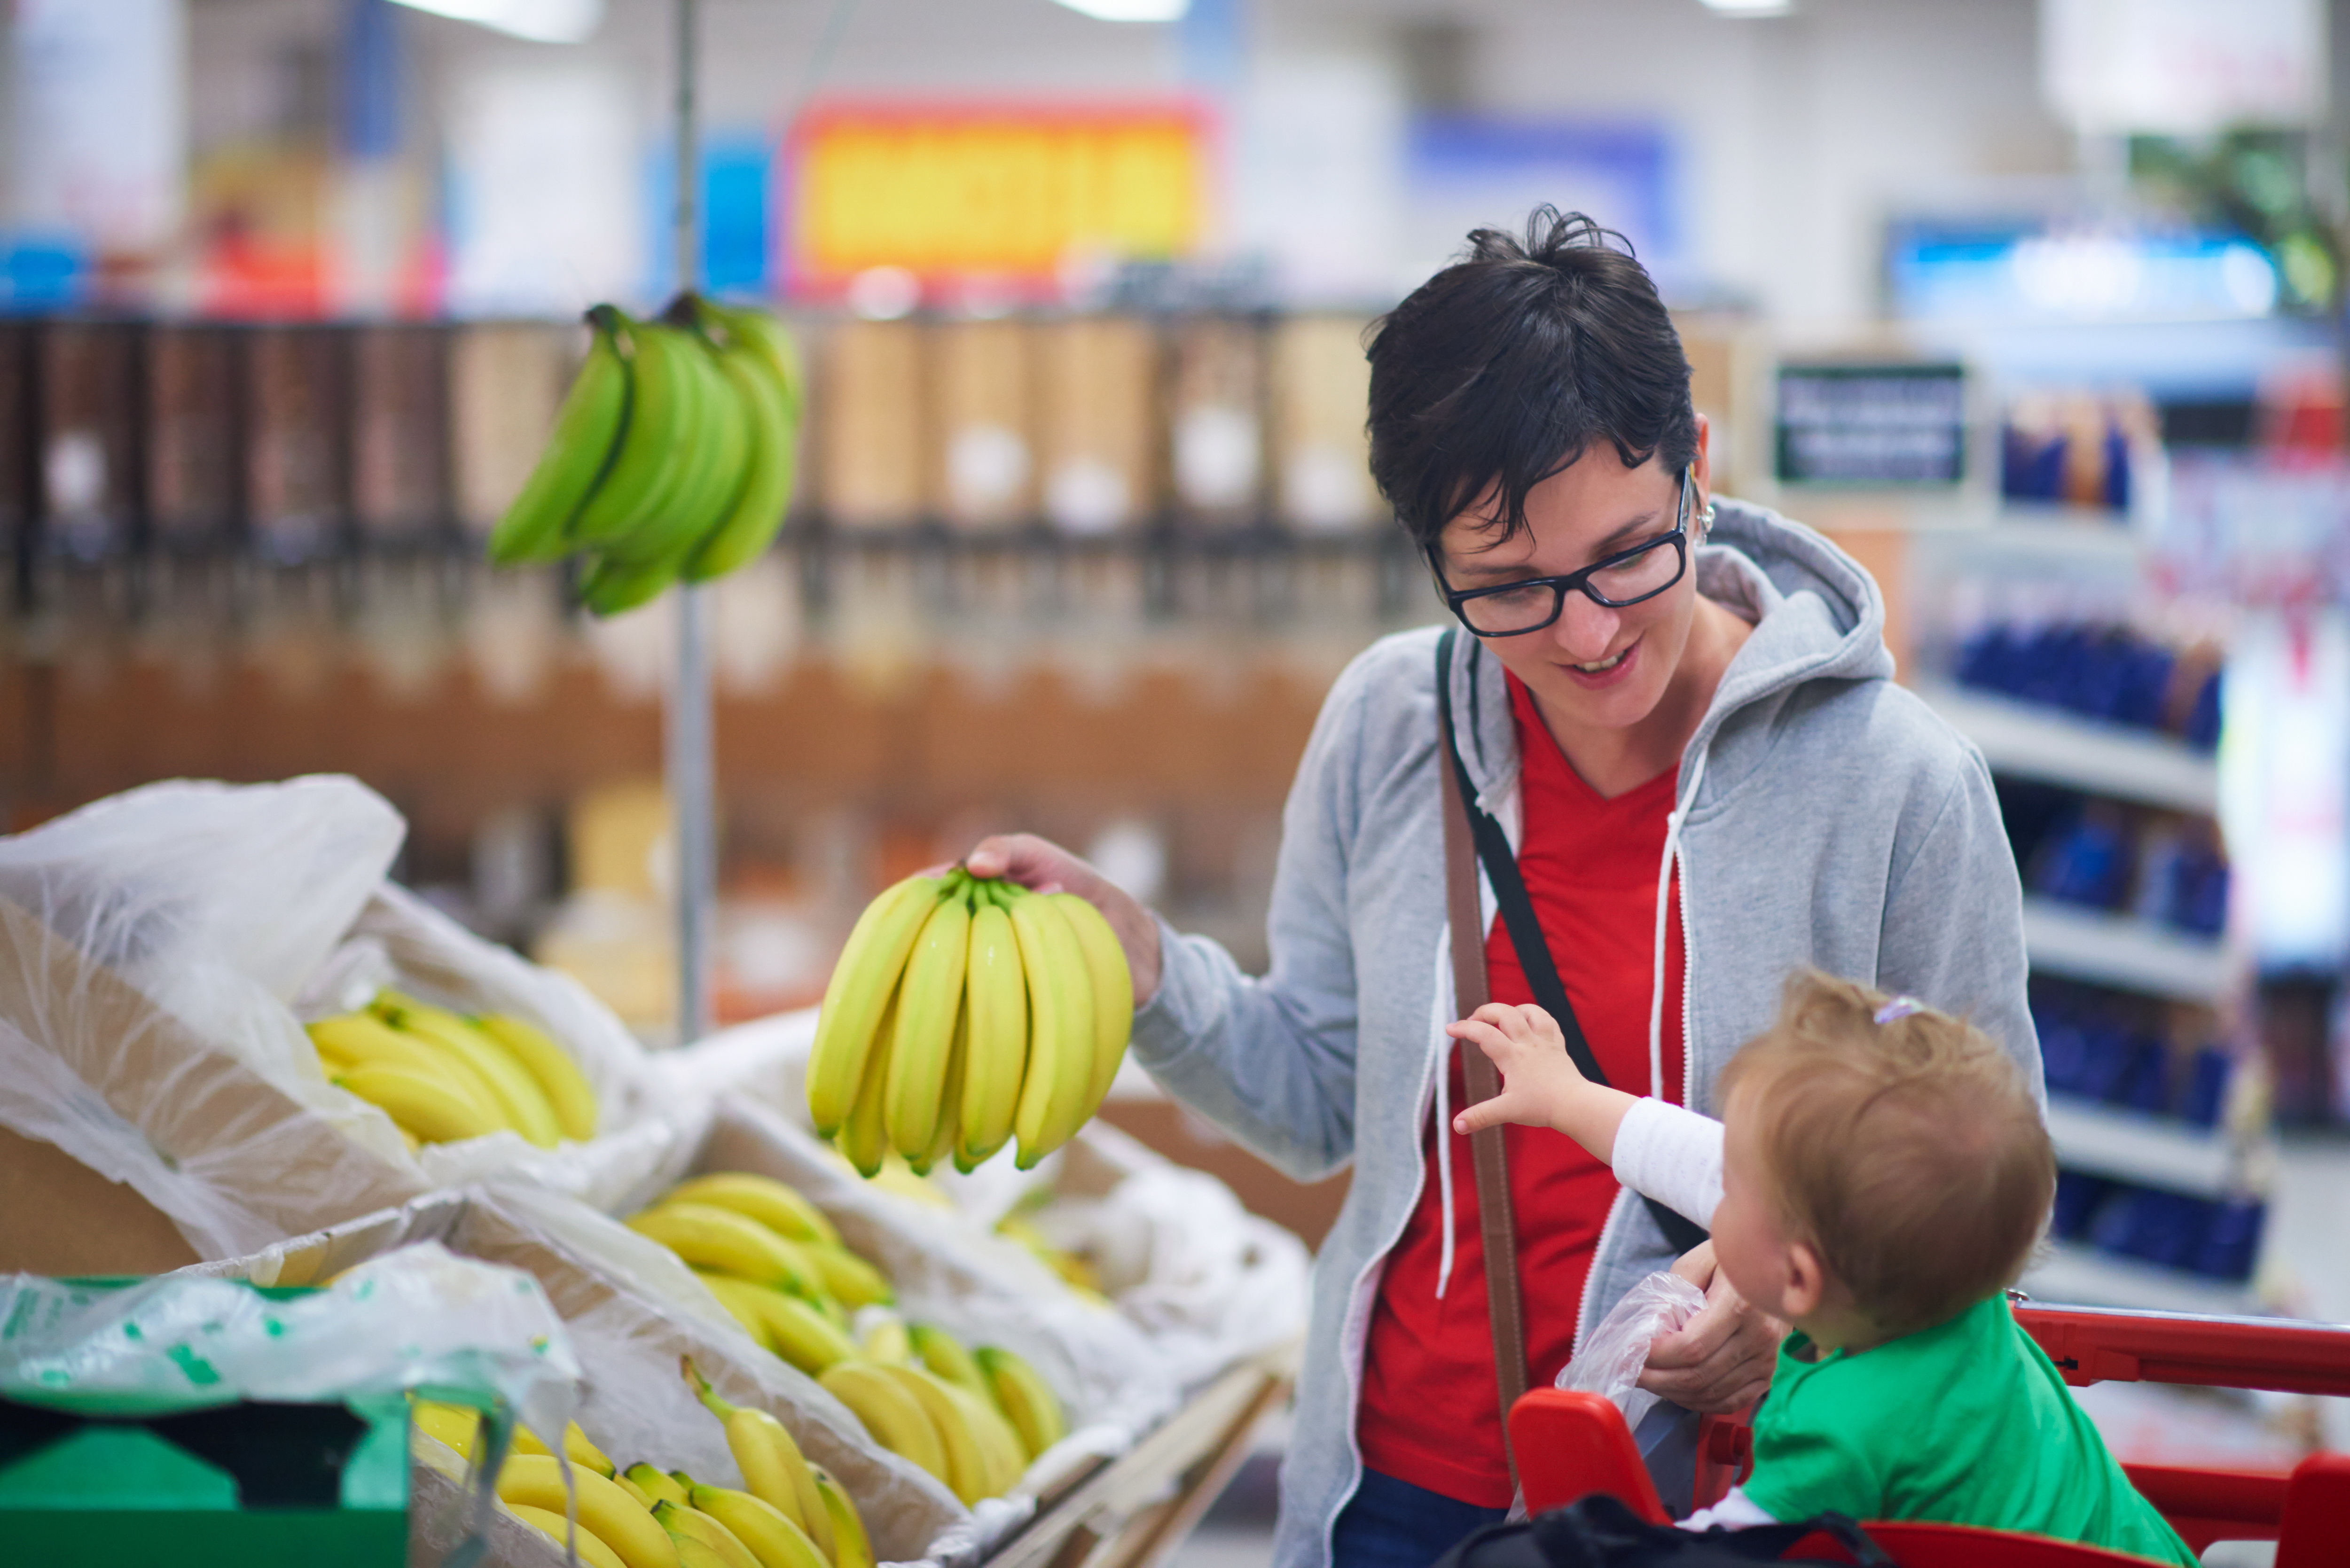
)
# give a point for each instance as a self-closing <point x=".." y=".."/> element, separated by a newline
<point x="1808" y="1281"/>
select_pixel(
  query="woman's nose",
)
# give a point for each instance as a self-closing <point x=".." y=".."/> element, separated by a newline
<point x="1585" y="630"/>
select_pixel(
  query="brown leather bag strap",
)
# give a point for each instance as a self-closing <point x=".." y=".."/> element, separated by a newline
<point x="1504" y="1305"/>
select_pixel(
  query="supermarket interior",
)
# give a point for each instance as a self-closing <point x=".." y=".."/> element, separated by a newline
<point x="399" y="678"/>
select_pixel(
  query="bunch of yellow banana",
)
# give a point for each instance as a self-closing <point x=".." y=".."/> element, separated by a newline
<point x="672" y="456"/>
<point x="965" y="1013"/>
<point x="443" y="1076"/>
<point x="787" y="1514"/>
<point x="975" y="1419"/>
<point x="773" y="1260"/>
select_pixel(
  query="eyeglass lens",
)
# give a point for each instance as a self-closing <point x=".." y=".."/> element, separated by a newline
<point x="1536" y="604"/>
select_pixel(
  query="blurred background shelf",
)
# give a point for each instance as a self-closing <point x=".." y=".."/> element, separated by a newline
<point x="2122" y="951"/>
<point x="2151" y="1150"/>
<point x="2033" y="742"/>
<point x="2079" y="1276"/>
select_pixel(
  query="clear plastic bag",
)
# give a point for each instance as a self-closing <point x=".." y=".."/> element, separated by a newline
<point x="630" y="1310"/>
<point x="1612" y="1358"/>
<point x="422" y="1317"/>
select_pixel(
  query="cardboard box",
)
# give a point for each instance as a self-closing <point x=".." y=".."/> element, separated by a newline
<point x="186" y="1100"/>
<point x="181" y="1137"/>
<point x="872" y="413"/>
<point x="1099" y="423"/>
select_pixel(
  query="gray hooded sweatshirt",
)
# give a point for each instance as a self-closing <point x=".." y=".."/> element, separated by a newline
<point x="1826" y="816"/>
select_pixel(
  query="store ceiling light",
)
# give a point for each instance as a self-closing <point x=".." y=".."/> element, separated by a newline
<point x="1750" y="7"/>
<point x="541" y="21"/>
<point x="1131" y="10"/>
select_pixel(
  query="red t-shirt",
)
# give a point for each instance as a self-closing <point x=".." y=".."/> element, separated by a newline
<point x="1430" y="1413"/>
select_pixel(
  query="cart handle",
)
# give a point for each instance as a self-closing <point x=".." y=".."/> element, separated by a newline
<point x="2089" y="1345"/>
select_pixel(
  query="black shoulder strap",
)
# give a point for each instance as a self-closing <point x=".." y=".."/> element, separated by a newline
<point x="1517" y="910"/>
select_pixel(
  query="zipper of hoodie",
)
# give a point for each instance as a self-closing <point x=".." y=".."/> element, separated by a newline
<point x="1352" y="1329"/>
<point x="1675" y="886"/>
<point x="1689" y="970"/>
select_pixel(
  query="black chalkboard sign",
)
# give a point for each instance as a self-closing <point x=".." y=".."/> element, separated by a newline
<point x="1886" y="425"/>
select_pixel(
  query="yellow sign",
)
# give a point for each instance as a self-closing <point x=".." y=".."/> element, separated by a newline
<point x="998" y="192"/>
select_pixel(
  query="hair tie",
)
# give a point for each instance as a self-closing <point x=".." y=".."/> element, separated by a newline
<point x="1899" y="1008"/>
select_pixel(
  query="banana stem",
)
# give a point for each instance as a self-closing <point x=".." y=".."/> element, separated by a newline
<point x="702" y="1390"/>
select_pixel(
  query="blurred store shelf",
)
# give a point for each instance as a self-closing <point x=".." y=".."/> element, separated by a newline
<point x="2122" y="951"/>
<point x="2041" y="536"/>
<point x="2151" y="1150"/>
<point x="2078" y="1276"/>
<point x="2047" y="744"/>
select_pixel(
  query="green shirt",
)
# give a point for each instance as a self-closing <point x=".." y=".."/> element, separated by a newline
<point x="1967" y="1423"/>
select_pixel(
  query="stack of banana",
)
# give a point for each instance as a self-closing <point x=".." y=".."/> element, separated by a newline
<point x="672" y="455"/>
<point x="444" y="1076"/>
<point x="965" y="1013"/>
<point x="975" y="1418"/>
<point x="775" y="1261"/>
<point x="788" y="1514"/>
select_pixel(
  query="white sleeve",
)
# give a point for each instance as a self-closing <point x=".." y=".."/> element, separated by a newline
<point x="1672" y="1154"/>
<point x="1734" y="1511"/>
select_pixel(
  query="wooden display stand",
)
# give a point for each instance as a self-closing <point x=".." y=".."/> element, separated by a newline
<point x="1132" y="1511"/>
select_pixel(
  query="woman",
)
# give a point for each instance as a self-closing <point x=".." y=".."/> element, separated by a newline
<point x="1662" y="699"/>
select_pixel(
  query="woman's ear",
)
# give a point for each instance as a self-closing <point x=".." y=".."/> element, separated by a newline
<point x="1807" y="1281"/>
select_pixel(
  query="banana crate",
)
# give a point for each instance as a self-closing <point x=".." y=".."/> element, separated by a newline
<point x="930" y="1267"/>
<point x="1172" y="1335"/>
<point x="216" y="1002"/>
<point x="1196" y="1280"/>
<point x="634" y="1317"/>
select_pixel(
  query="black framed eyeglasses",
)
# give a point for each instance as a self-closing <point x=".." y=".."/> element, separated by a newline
<point x="1624" y="578"/>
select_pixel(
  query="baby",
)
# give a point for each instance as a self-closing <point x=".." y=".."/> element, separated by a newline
<point x="1879" y="1176"/>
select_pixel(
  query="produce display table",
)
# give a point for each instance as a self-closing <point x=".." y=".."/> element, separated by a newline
<point x="1132" y="1511"/>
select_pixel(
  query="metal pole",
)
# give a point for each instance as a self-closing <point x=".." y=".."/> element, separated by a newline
<point x="690" y="738"/>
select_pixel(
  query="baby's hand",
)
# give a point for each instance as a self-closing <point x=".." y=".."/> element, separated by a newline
<point x="1538" y="1077"/>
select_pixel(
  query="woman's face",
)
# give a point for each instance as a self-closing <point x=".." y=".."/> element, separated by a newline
<point x="1593" y="667"/>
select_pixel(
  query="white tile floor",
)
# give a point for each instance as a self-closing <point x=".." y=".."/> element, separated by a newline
<point x="2306" y="1271"/>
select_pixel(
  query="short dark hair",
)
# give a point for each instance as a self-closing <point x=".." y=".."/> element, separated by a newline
<point x="1501" y="370"/>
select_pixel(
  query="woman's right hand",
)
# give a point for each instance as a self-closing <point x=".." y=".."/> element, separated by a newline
<point x="1044" y="865"/>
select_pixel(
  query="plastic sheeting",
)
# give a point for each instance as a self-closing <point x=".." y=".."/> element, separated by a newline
<point x="415" y="1318"/>
<point x="153" y="949"/>
<point x="618" y="1296"/>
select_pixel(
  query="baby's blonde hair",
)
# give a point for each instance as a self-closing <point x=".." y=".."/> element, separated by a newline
<point x="1910" y="1154"/>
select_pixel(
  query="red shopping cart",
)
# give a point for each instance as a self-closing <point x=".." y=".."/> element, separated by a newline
<point x="1571" y="1444"/>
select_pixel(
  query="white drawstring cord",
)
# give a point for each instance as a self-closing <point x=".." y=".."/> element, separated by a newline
<point x="1444" y="1167"/>
<point x="1664" y="900"/>
<point x="1443" y="1116"/>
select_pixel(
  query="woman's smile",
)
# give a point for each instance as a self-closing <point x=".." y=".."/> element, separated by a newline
<point x="1612" y="670"/>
